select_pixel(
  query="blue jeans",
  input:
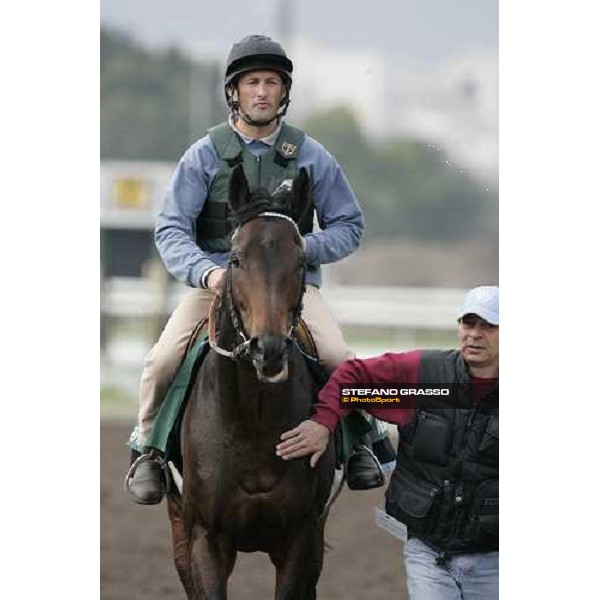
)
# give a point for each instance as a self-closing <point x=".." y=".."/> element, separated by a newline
<point x="463" y="577"/>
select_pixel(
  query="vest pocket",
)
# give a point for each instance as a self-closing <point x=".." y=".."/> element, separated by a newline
<point x="411" y="501"/>
<point x="484" y="520"/>
<point x="490" y="441"/>
<point x="432" y="439"/>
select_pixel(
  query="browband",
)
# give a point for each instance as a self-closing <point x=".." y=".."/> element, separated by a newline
<point x="271" y="215"/>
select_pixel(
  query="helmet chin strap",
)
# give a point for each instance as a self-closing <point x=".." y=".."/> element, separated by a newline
<point x="254" y="123"/>
<point x="234" y="106"/>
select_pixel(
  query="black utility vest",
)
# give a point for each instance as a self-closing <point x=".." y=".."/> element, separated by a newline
<point x="279" y="163"/>
<point x="445" y="486"/>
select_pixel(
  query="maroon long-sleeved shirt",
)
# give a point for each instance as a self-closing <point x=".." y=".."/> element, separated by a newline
<point x="387" y="368"/>
<point x="381" y="370"/>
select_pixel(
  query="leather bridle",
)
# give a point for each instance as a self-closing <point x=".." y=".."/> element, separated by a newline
<point x="242" y="350"/>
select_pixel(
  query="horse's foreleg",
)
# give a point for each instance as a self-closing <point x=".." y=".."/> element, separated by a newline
<point x="299" y="562"/>
<point x="181" y="549"/>
<point x="212" y="561"/>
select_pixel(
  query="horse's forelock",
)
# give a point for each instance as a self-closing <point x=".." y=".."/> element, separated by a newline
<point x="262" y="199"/>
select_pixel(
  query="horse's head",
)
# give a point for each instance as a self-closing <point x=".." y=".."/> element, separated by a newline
<point x="267" y="266"/>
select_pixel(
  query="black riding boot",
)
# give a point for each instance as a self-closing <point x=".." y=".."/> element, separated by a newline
<point x="363" y="471"/>
<point x="145" y="479"/>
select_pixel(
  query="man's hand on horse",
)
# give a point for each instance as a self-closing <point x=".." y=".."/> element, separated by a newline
<point x="216" y="281"/>
<point x="309" y="437"/>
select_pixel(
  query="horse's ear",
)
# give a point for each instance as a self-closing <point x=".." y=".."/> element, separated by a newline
<point x="301" y="195"/>
<point x="239" y="192"/>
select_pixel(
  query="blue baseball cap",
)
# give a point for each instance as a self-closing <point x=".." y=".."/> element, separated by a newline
<point x="484" y="302"/>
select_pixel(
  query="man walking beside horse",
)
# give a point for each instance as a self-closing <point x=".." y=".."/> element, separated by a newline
<point x="194" y="226"/>
<point x="445" y="486"/>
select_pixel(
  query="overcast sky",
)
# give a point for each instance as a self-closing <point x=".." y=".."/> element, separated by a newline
<point x="421" y="30"/>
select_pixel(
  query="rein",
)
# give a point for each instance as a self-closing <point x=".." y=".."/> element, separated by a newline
<point x="239" y="350"/>
<point x="242" y="349"/>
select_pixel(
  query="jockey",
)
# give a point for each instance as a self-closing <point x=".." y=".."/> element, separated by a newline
<point x="192" y="229"/>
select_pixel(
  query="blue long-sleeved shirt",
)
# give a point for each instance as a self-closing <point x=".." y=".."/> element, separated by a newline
<point x="339" y="215"/>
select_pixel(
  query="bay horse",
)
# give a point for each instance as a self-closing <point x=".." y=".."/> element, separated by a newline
<point x="253" y="385"/>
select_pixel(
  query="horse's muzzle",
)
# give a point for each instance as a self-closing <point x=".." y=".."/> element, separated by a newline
<point x="269" y="355"/>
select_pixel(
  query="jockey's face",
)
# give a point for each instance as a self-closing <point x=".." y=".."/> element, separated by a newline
<point x="260" y="94"/>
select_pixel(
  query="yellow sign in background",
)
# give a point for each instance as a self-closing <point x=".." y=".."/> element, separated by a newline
<point x="131" y="192"/>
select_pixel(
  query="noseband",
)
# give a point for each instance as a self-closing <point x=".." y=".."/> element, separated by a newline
<point x="242" y="349"/>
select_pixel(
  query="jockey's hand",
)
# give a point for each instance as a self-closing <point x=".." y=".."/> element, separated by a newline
<point x="309" y="437"/>
<point x="216" y="281"/>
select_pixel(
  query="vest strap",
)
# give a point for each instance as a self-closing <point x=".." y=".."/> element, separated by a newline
<point x="227" y="144"/>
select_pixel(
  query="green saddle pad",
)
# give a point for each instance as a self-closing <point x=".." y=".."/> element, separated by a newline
<point x="169" y="410"/>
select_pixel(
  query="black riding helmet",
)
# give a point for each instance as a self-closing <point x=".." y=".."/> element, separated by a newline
<point x="252" y="53"/>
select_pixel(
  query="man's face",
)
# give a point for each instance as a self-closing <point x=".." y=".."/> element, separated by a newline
<point x="479" y="341"/>
<point x="259" y="94"/>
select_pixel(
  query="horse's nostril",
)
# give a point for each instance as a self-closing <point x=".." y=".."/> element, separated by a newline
<point x="275" y="347"/>
<point x="269" y="347"/>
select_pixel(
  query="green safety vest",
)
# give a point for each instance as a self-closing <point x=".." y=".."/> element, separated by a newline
<point x="279" y="163"/>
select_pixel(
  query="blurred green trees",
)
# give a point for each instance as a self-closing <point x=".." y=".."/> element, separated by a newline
<point x="152" y="104"/>
<point x="406" y="187"/>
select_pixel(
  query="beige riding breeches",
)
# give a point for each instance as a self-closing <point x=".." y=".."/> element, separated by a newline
<point x="164" y="359"/>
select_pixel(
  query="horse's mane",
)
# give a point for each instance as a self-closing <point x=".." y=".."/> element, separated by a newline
<point x="263" y="199"/>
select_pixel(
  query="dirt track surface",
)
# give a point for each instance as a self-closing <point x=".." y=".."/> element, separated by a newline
<point x="363" y="563"/>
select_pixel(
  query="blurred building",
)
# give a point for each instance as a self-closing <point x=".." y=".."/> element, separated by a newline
<point x="325" y="78"/>
<point x="453" y="105"/>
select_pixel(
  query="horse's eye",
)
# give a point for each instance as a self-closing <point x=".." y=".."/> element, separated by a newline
<point x="235" y="262"/>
